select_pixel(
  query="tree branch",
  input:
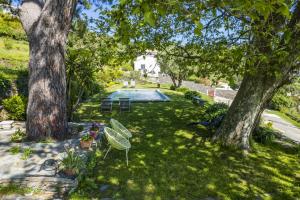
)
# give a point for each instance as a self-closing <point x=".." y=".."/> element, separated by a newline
<point x="30" y="12"/>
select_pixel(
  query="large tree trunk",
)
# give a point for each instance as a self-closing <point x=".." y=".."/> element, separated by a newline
<point x="47" y="27"/>
<point x="244" y="113"/>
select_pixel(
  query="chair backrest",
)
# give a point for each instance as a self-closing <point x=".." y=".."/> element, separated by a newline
<point x="132" y="83"/>
<point x="117" y="126"/>
<point x="116" y="140"/>
<point x="124" y="103"/>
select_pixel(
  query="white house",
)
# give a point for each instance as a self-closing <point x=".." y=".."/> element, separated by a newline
<point x="147" y="64"/>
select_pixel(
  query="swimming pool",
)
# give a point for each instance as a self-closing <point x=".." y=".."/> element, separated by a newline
<point x="139" y="95"/>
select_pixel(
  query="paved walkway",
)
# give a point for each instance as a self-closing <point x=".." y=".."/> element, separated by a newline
<point x="37" y="170"/>
<point x="287" y="129"/>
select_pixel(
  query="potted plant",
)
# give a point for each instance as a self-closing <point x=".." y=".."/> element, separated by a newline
<point x="71" y="163"/>
<point x="94" y="130"/>
<point x="86" y="141"/>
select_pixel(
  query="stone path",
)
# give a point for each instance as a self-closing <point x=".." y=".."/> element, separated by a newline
<point x="40" y="169"/>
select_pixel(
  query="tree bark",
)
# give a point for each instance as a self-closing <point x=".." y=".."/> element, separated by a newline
<point x="246" y="109"/>
<point x="47" y="26"/>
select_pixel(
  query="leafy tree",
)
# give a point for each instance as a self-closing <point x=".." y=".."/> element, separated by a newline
<point x="175" y="67"/>
<point x="258" y="40"/>
<point x="46" y="24"/>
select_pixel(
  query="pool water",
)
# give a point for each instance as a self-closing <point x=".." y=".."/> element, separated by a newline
<point x="141" y="95"/>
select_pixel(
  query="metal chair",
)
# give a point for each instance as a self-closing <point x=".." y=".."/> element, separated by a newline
<point x="117" y="141"/>
<point x="117" y="126"/>
<point x="125" y="104"/>
<point x="106" y="105"/>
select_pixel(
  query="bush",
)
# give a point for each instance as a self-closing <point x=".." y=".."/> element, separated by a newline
<point x="182" y="89"/>
<point x="172" y="87"/>
<point x="264" y="134"/>
<point x="16" y="107"/>
<point x="190" y="94"/>
<point x="281" y="101"/>
<point x="214" y="111"/>
<point x="4" y="86"/>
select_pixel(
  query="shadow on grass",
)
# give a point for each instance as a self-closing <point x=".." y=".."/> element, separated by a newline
<point x="168" y="161"/>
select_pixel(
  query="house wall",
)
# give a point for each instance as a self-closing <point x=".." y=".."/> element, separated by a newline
<point x="149" y="62"/>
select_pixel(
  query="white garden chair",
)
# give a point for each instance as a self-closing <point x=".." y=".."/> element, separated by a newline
<point x="132" y="83"/>
<point x="117" y="141"/>
<point x="117" y="126"/>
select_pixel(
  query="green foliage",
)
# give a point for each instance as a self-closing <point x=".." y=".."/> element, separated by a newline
<point x="72" y="161"/>
<point x="18" y="136"/>
<point x="8" y="44"/>
<point x="281" y="101"/>
<point x="26" y="153"/>
<point x="86" y="137"/>
<point x="190" y="94"/>
<point x="80" y="128"/>
<point x="214" y="111"/>
<point x="10" y="26"/>
<point x="15" y="150"/>
<point x="5" y="85"/>
<point x="172" y="87"/>
<point x="264" y="134"/>
<point x="15" y="189"/>
<point x="182" y="89"/>
<point x="16" y="107"/>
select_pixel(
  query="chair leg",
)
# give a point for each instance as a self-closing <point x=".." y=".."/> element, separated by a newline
<point x="107" y="152"/>
<point x="127" y="156"/>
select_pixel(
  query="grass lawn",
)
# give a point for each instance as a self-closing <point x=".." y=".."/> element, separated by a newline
<point x="168" y="161"/>
<point x="16" y="55"/>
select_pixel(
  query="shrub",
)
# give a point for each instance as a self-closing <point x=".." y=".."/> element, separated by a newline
<point x="4" y="86"/>
<point x="172" y="87"/>
<point x="18" y="136"/>
<point x="281" y="101"/>
<point x="264" y="134"/>
<point x="214" y="111"/>
<point x="16" y="107"/>
<point x="190" y="94"/>
<point x="182" y="89"/>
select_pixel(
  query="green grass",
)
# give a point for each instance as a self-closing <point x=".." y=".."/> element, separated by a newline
<point x="168" y="160"/>
<point x="16" y="189"/>
<point x="17" y="55"/>
<point x="285" y="117"/>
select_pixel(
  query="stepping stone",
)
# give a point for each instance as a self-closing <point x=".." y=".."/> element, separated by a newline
<point x="6" y="124"/>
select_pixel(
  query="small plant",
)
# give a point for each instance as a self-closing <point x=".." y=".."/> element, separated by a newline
<point x="18" y="136"/>
<point x="86" y="137"/>
<point x="14" y="150"/>
<point x="26" y="153"/>
<point x="16" y="107"/>
<point x="86" y="141"/>
<point x="72" y="163"/>
<point x="264" y="135"/>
